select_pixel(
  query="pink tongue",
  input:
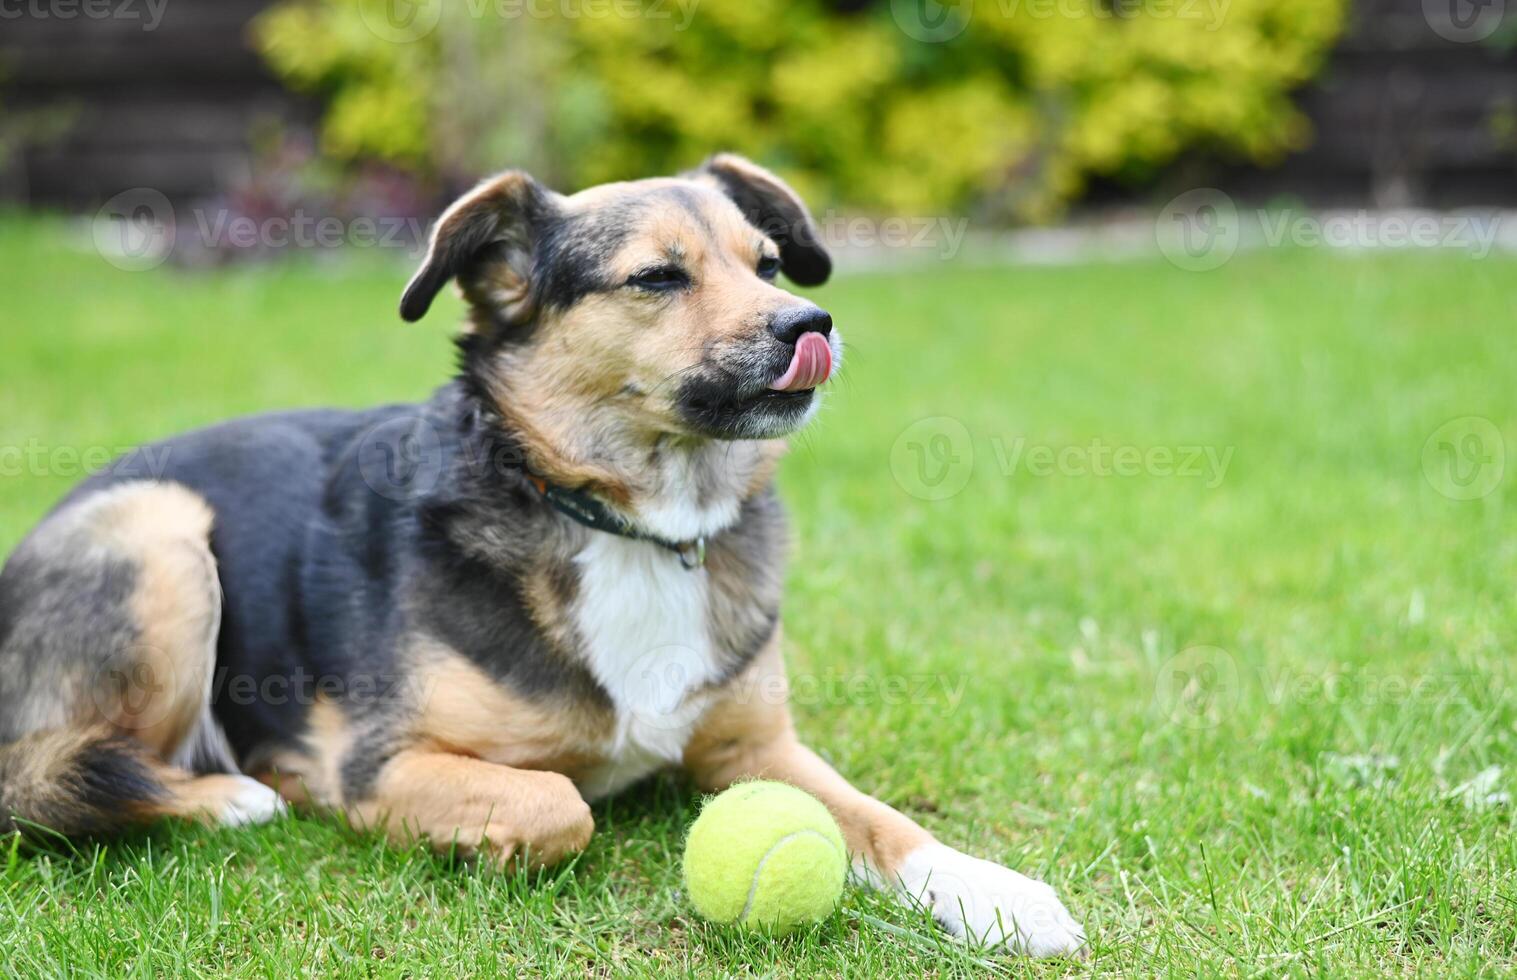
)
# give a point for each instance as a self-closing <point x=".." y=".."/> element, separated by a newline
<point x="810" y="366"/>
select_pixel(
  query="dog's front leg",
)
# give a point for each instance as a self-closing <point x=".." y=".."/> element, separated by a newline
<point x="749" y="735"/>
<point x="456" y="801"/>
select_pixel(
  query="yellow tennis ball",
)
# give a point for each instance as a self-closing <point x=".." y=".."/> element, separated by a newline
<point x="766" y="856"/>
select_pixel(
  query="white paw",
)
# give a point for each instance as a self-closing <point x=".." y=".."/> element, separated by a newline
<point x="252" y="803"/>
<point x="987" y="904"/>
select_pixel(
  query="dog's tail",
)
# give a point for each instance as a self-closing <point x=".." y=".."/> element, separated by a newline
<point x="77" y="783"/>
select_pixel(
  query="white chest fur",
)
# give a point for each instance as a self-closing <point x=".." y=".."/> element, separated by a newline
<point x="643" y="619"/>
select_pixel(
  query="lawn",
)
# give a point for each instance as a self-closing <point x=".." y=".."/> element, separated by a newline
<point x="1171" y="601"/>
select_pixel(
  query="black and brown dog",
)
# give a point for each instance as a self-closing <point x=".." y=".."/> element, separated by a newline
<point x="460" y="620"/>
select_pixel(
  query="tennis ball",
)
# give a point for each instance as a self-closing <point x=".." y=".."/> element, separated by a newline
<point x="765" y="856"/>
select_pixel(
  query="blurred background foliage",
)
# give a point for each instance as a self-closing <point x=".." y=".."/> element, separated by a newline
<point x="1012" y="114"/>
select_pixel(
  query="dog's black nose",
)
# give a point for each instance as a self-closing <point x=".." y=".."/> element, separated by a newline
<point x="788" y="325"/>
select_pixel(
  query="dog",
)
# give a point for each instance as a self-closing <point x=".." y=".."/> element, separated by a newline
<point x="464" y="620"/>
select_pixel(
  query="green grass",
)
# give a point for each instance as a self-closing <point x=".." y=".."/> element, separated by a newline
<point x="1229" y="715"/>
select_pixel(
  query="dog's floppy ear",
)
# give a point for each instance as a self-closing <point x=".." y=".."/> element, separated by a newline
<point x="495" y="222"/>
<point x="770" y="205"/>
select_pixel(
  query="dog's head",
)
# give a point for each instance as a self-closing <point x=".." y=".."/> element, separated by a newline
<point x="655" y="297"/>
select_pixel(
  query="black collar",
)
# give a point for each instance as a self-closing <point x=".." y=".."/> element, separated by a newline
<point x="585" y="509"/>
<point x="595" y="515"/>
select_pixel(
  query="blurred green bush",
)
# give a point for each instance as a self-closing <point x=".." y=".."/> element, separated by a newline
<point x="1007" y="105"/>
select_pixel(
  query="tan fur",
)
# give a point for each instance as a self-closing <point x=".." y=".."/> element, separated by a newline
<point x="765" y="466"/>
<point x="311" y="775"/>
<point x="140" y="516"/>
<point x="595" y="386"/>
<point x="549" y="605"/>
<point x="164" y="529"/>
<point x="749" y="735"/>
<point x="496" y="292"/>
<point x="453" y="801"/>
<point x="141" y="703"/>
<point x="483" y="770"/>
<point x="178" y="604"/>
<point x="466" y="712"/>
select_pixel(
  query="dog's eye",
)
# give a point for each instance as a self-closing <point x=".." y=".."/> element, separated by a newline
<point x="768" y="267"/>
<point x="661" y="278"/>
